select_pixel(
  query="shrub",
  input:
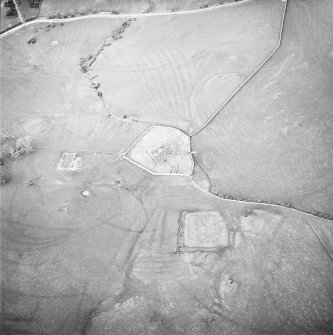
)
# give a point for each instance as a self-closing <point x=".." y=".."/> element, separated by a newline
<point x="12" y="12"/>
<point x="34" y="3"/>
<point x="10" y="4"/>
<point x="32" y="40"/>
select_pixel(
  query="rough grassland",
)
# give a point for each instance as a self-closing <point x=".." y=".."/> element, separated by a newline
<point x="274" y="140"/>
<point x="95" y="251"/>
<point x="115" y="252"/>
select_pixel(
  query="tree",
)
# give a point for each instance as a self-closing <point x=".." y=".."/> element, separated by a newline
<point x="34" y="3"/>
<point x="10" y="4"/>
<point x="11" y="12"/>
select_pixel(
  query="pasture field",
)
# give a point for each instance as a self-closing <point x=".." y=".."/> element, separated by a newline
<point x="274" y="140"/>
<point x="95" y="249"/>
<point x="179" y="69"/>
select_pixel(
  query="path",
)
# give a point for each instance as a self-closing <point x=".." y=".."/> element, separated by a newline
<point x="18" y="12"/>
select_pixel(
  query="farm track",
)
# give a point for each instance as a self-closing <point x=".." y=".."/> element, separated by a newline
<point x="18" y="12"/>
<point x="119" y="16"/>
<point x="132" y="249"/>
<point x="78" y="150"/>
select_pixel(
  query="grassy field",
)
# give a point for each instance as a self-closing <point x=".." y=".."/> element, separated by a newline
<point x="273" y="141"/>
<point x="44" y="80"/>
<point x="180" y="69"/>
<point x="94" y="251"/>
